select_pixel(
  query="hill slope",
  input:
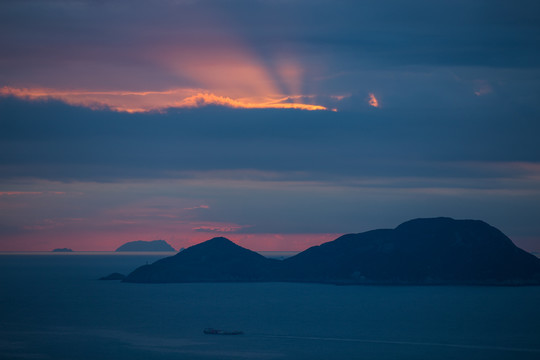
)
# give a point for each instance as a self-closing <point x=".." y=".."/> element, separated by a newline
<point x="422" y="251"/>
<point x="215" y="260"/>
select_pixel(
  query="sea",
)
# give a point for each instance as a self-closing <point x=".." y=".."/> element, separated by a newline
<point x="54" y="307"/>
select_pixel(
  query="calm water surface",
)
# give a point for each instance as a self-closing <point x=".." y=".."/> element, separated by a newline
<point x="52" y="307"/>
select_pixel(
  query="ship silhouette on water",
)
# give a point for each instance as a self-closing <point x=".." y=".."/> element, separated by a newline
<point x="212" y="331"/>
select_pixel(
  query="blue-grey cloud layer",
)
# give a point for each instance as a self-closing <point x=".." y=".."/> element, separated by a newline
<point x="56" y="141"/>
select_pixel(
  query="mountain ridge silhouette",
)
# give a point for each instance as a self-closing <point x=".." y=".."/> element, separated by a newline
<point x="420" y="251"/>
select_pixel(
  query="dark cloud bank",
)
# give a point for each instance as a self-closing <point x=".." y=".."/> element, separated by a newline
<point x="58" y="142"/>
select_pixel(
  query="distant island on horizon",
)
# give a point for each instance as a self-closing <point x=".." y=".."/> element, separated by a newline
<point x="62" y="250"/>
<point x="433" y="251"/>
<point x="141" y="245"/>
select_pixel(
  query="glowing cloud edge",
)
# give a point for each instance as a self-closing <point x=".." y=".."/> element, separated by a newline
<point x="148" y="101"/>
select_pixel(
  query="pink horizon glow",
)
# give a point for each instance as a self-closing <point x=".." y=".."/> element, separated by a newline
<point x="111" y="241"/>
<point x="180" y="222"/>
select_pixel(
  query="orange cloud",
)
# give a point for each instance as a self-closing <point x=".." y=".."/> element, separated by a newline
<point x="202" y="99"/>
<point x="373" y="100"/>
<point x="144" y="101"/>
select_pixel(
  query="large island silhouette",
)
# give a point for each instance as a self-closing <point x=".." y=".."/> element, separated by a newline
<point x="421" y="251"/>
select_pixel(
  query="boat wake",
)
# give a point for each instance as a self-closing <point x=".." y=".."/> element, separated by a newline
<point x="398" y="342"/>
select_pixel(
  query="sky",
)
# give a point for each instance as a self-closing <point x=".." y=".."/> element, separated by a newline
<point x="277" y="124"/>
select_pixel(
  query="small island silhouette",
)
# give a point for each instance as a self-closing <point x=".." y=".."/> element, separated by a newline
<point x="113" y="276"/>
<point x="62" y="250"/>
<point x="421" y="251"/>
<point x="140" y="245"/>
